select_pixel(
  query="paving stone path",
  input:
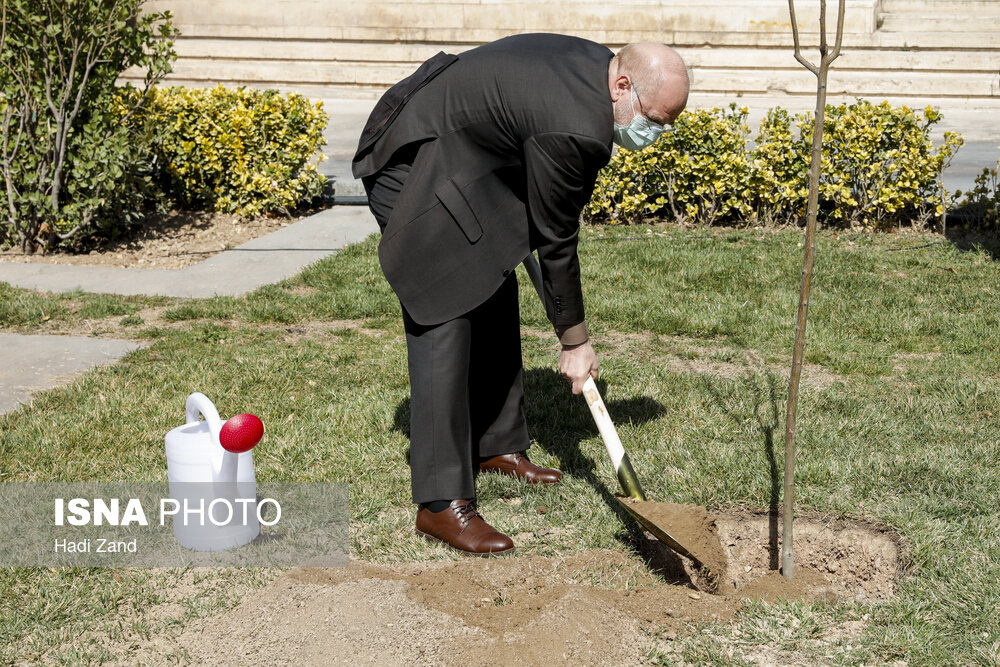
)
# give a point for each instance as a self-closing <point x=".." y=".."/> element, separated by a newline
<point x="262" y="261"/>
<point x="30" y="363"/>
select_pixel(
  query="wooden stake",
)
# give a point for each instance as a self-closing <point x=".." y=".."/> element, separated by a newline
<point x="826" y="58"/>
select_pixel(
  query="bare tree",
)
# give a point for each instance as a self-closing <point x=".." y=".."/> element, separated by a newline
<point x="827" y="56"/>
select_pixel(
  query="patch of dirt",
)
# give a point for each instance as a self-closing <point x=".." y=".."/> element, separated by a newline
<point x="604" y="607"/>
<point x="501" y="611"/>
<point x="906" y="360"/>
<point x="813" y="376"/>
<point x="300" y="290"/>
<point x="834" y="558"/>
<point x="181" y="592"/>
<point x="152" y="316"/>
<point x="171" y="241"/>
<point x="320" y="329"/>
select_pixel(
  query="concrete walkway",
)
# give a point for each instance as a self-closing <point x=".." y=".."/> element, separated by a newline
<point x="262" y="261"/>
<point x="34" y="363"/>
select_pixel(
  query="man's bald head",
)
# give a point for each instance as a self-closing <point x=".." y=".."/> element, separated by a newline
<point x="657" y="74"/>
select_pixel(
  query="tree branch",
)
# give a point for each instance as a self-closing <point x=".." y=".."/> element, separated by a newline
<point x="840" y="33"/>
<point x="795" y="36"/>
<point x="83" y="223"/>
<point x="822" y="30"/>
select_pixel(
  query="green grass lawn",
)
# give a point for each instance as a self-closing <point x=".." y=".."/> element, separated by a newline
<point x="904" y="429"/>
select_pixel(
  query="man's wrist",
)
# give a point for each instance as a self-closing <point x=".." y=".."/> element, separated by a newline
<point x="572" y="335"/>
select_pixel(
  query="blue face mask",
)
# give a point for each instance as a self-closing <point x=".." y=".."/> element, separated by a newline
<point x="639" y="133"/>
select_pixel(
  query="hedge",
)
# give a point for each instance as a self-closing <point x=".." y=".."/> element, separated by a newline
<point x="880" y="169"/>
<point x="239" y="151"/>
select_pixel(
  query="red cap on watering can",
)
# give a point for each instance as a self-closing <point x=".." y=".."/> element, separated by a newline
<point x="241" y="433"/>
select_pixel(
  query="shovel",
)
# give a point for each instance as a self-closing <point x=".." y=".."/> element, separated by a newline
<point x="609" y="434"/>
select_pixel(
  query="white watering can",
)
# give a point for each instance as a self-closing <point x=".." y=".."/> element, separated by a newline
<point x="200" y="471"/>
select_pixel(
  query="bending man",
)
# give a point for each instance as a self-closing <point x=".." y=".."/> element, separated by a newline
<point x="469" y="164"/>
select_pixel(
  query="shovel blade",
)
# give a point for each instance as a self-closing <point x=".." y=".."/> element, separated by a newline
<point x="708" y="579"/>
<point x="659" y="532"/>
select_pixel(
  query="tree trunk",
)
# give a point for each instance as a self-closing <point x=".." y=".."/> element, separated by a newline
<point x="798" y="353"/>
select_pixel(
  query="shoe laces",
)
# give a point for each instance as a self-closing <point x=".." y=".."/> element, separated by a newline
<point x="466" y="512"/>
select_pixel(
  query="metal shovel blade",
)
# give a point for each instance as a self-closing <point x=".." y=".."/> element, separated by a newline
<point x="659" y="532"/>
<point x="626" y="474"/>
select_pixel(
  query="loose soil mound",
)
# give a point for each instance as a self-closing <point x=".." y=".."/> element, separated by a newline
<point x="596" y="607"/>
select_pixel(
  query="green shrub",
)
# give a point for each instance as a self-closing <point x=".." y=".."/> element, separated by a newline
<point x="69" y="156"/>
<point x="981" y="205"/>
<point x="779" y="172"/>
<point x="880" y="169"/>
<point x="697" y="172"/>
<point x="239" y="151"/>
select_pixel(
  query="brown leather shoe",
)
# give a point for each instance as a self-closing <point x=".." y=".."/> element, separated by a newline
<point x="461" y="527"/>
<point x="517" y="465"/>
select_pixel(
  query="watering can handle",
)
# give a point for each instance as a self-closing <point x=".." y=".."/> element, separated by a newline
<point x="197" y="403"/>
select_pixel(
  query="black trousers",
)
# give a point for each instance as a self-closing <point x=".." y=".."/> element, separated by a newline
<point x="466" y="376"/>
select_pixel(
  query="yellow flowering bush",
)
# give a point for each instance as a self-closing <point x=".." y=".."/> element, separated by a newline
<point x="879" y="169"/>
<point x="238" y="151"/>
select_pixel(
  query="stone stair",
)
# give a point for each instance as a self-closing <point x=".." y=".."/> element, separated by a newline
<point x="945" y="50"/>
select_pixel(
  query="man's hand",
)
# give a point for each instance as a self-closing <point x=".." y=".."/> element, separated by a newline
<point x="577" y="363"/>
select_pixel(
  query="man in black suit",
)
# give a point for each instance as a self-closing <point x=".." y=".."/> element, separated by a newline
<point x="469" y="164"/>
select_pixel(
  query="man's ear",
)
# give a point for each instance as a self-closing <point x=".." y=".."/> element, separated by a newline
<point x="623" y="86"/>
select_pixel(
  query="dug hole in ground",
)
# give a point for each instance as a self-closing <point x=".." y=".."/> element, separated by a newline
<point x="603" y="607"/>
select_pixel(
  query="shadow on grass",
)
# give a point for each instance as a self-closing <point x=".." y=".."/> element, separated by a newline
<point x="968" y="239"/>
<point x="757" y="402"/>
<point x="558" y="421"/>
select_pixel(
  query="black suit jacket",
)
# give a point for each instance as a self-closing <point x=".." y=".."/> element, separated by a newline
<point x="511" y="135"/>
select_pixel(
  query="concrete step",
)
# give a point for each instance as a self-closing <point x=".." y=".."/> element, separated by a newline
<point x="943" y="6"/>
<point x="979" y="40"/>
<point x="295" y="47"/>
<point x="927" y="48"/>
<point x="473" y="21"/>
<point x="897" y="63"/>
<point x="400" y="56"/>
<point x="712" y="74"/>
<point x="266" y="72"/>
<point x="946" y="22"/>
<point x="293" y="50"/>
<point x="972" y="41"/>
<point x="848" y="83"/>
